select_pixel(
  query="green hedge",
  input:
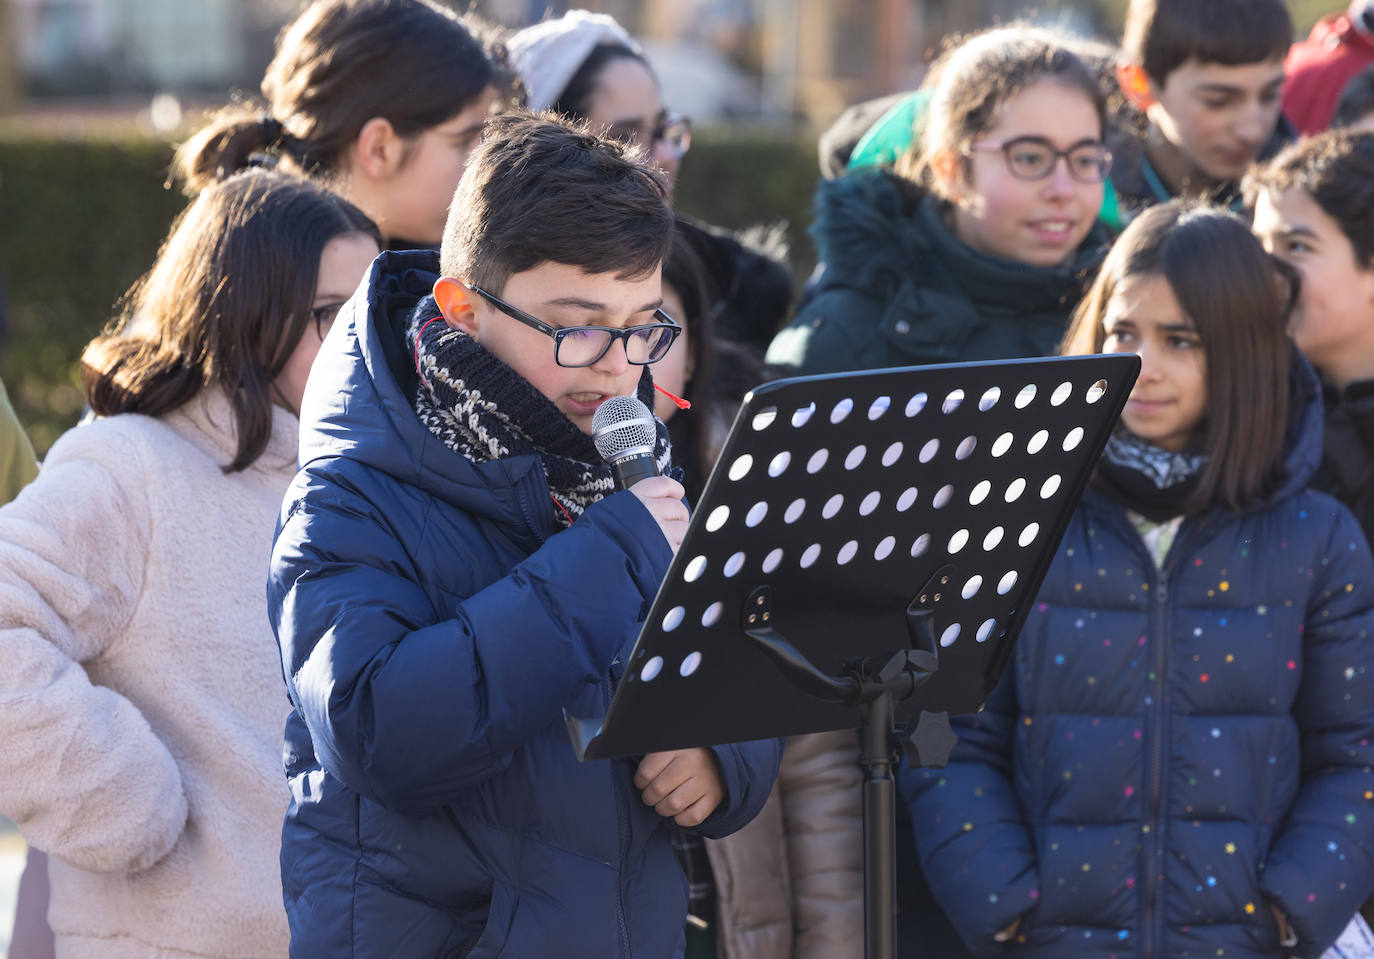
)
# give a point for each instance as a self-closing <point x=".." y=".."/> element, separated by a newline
<point x="81" y="220"/>
<point x="746" y="178"/>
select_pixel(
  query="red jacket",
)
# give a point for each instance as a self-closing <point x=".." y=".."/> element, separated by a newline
<point x="1318" y="69"/>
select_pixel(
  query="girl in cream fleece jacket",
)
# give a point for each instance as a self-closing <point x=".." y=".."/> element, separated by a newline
<point x="141" y="699"/>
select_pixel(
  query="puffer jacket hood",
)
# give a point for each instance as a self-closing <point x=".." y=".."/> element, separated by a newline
<point x="362" y="404"/>
<point x="1302" y="444"/>
<point x="869" y="219"/>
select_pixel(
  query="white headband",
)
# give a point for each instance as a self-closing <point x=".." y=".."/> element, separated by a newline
<point x="548" y="54"/>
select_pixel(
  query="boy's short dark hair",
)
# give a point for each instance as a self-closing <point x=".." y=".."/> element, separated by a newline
<point x="1336" y="169"/>
<point x="540" y="189"/>
<point x="1356" y="101"/>
<point x="1162" y="35"/>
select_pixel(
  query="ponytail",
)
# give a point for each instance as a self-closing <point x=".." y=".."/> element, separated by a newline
<point x="339" y="64"/>
<point x="236" y="137"/>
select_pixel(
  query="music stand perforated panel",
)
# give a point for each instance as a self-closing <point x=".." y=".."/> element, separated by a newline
<point x="844" y="494"/>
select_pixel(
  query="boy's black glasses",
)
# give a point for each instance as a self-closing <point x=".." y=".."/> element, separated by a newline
<point x="575" y="346"/>
<point x="1033" y="158"/>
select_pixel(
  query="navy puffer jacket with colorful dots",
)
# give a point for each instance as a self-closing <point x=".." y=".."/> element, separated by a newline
<point x="1172" y="750"/>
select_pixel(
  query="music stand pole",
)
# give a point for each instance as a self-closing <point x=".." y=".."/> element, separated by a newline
<point x="875" y="685"/>
<point x="880" y="842"/>
<point x="930" y="746"/>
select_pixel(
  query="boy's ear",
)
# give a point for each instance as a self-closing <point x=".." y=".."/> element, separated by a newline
<point x="378" y="151"/>
<point x="455" y="303"/>
<point x="1135" y="86"/>
<point x="944" y="166"/>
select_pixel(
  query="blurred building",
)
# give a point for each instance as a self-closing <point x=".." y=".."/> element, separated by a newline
<point x="92" y="47"/>
<point x="793" y="59"/>
<point x="774" y="60"/>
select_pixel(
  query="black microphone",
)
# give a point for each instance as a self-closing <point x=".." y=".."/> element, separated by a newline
<point x="625" y="434"/>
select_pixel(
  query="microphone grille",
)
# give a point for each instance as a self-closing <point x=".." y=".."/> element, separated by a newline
<point x="623" y="426"/>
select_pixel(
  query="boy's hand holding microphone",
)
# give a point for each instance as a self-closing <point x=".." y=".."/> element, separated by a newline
<point x="625" y="434"/>
<point x="684" y="784"/>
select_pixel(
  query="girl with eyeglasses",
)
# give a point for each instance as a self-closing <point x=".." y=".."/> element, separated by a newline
<point x="585" y="66"/>
<point x="977" y="243"/>
<point x="140" y="738"/>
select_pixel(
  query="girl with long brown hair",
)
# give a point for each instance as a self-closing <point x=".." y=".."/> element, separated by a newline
<point x="1180" y="759"/>
<point x="141" y="704"/>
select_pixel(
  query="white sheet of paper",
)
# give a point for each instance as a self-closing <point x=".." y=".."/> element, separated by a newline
<point x="1357" y="942"/>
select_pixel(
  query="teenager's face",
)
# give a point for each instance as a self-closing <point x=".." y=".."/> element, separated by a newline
<point x="417" y="200"/>
<point x="626" y="104"/>
<point x="674" y="370"/>
<point x="1166" y="405"/>
<point x="1334" y="318"/>
<point x="343" y="263"/>
<point x="563" y="295"/>
<point x="1218" y="118"/>
<point x="1039" y="222"/>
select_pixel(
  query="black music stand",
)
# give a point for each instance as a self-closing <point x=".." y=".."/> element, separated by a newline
<point x="864" y="554"/>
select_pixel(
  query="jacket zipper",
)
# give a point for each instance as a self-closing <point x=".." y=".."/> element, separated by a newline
<point x="1158" y="731"/>
<point x="1153" y="926"/>
<point x="622" y="831"/>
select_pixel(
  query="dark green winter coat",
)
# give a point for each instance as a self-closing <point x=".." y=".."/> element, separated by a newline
<point x="899" y="289"/>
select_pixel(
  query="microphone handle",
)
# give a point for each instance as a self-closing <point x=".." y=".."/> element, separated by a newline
<point x="632" y="469"/>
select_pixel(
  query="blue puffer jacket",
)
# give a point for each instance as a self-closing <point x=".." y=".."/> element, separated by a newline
<point x="1172" y="750"/>
<point x="433" y="629"/>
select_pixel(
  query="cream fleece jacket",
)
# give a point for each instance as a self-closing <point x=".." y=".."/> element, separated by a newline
<point x="141" y="696"/>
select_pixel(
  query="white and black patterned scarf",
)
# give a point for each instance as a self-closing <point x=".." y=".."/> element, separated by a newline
<point x="482" y="409"/>
<point x="1163" y="468"/>
<point x="1157" y="483"/>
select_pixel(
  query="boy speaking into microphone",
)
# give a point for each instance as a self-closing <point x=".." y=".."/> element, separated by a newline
<point x="455" y="568"/>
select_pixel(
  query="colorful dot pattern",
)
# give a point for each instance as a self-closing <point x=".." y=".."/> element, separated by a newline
<point x="1171" y="749"/>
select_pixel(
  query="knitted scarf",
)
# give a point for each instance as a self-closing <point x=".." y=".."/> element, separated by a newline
<point x="483" y="410"/>
<point x="1154" y="482"/>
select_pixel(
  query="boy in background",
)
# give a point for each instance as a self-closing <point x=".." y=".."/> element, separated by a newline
<point x="1208" y="76"/>
<point x="1314" y="209"/>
